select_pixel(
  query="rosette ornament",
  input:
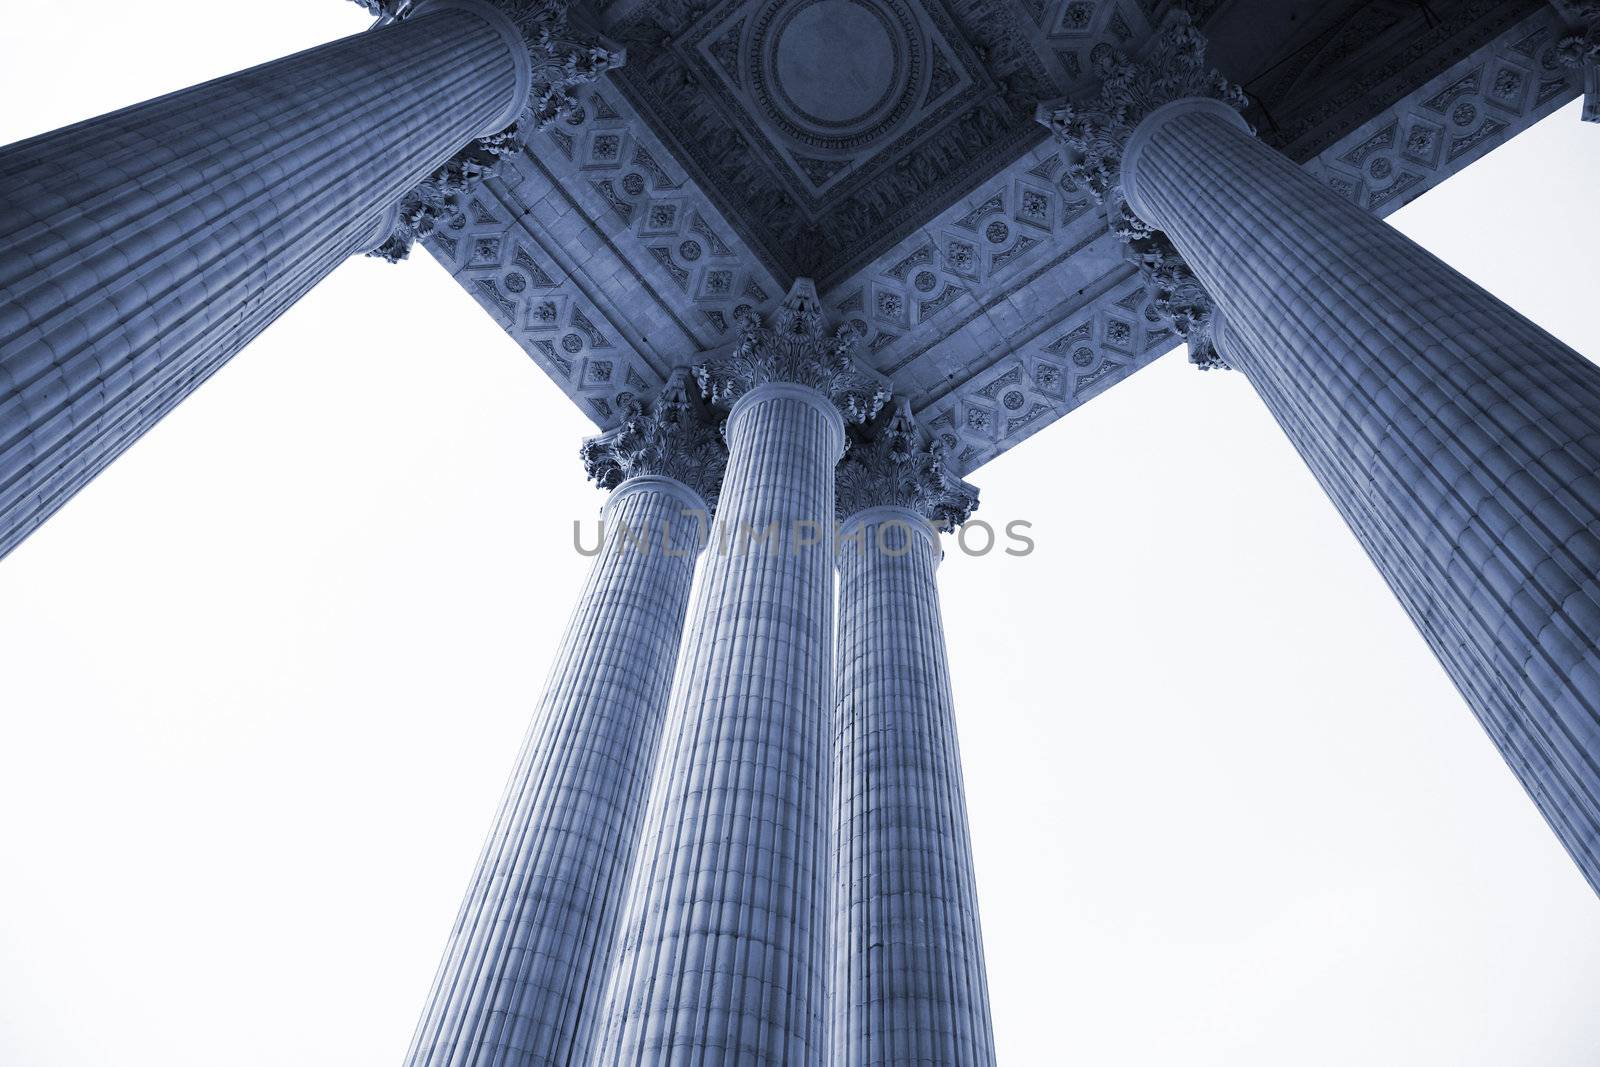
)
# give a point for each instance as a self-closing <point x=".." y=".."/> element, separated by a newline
<point x="1579" y="49"/>
<point x="1096" y="132"/>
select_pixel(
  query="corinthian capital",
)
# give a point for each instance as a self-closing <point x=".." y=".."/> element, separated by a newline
<point x="795" y="347"/>
<point x="561" y="59"/>
<point x="674" y="437"/>
<point x="440" y="192"/>
<point x="1096" y="132"/>
<point x="888" y="466"/>
<point x="1175" y="290"/>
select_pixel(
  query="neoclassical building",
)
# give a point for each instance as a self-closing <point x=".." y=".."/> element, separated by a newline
<point x="808" y="265"/>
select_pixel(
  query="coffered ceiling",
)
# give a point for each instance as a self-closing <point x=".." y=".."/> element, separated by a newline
<point x="887" y="149"/>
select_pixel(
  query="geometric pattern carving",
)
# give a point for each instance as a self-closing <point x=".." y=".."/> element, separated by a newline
<point x="603" y="254"/>
<point x="1119" y="330"/>
<point x="600" y="257"/>
<point x="829" y="128"/>
<point x="651" y="201"/>
<point x="538" y="303"/>
<point x="1452" y="119"/>
<point x="971" y="249"/>
<point x="1036" y="383"/>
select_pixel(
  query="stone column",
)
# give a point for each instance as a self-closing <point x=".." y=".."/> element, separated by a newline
<point x="723" y="944"/>
<point x="141" y="249"/>
<point x="1461" y="438"/>
<point x="909" y="985"/>
<point x="530" y="949"/>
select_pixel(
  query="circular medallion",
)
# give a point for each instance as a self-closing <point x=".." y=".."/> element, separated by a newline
<point x="835" y="62"/>
<point x="835" y="74"/>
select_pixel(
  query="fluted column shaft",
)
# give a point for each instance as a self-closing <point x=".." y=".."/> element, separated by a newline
<point x="1460" y="441"/>
<point x="531" y="945"/>
<point x="722" y="949"/>
<point x="141" y="249"/>
<point x="909" y="985"/>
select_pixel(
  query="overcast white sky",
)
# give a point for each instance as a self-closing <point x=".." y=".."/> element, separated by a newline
<point x="261" y="682"/>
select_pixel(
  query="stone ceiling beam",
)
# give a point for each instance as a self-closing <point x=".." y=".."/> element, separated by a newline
<point x="1013" y="305"/>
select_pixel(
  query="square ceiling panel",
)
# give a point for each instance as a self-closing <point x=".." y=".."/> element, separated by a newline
<point x="828" y="129"/>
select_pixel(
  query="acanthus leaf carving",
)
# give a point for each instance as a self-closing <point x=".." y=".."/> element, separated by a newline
<point x="441" y="192"/>
<point x="1175" y="291"/>
<point x="797" y="349"/>
<point x="1095" y="134"/>
<point x="1095" y="131"/>
<point x="674" y="437"/>
<point x="887" y="466"/>
<point x="562" y="62"/>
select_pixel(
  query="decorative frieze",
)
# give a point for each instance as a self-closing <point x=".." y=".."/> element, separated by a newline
<point x="561" y="63"/>
<point x="1006" y="310"/>
<point x="795" y="349"/>
<point x="888" y="466"/>
<point x="944" y="96"/>
<point x="674" y="437"/>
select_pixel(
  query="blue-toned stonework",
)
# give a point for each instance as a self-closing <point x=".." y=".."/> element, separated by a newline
<point x="807" y="264"/>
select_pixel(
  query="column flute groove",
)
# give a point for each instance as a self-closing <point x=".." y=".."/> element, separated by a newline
<point x="909" y="983"/>
<point x="1459" y="441"/>
<point x="533" y="941"/>
<point x="723" y="947"/>
<point x="1413" y="576"/>
<point x="1476" y="433"/>
<point x="141" y="249"/>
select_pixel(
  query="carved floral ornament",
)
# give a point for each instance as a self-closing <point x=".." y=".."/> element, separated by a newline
<point x="1095" y="133"/>
<point x="794" y="348"/>
<point x="562" y="62"/>
<point x="675" y="437"/>
<point x="678" y="435"/>
<point x="1579" y="49"/>
<point x="888" y="466"/>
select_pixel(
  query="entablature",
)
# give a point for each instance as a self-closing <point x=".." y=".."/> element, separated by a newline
<point x="609" y="255"/>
